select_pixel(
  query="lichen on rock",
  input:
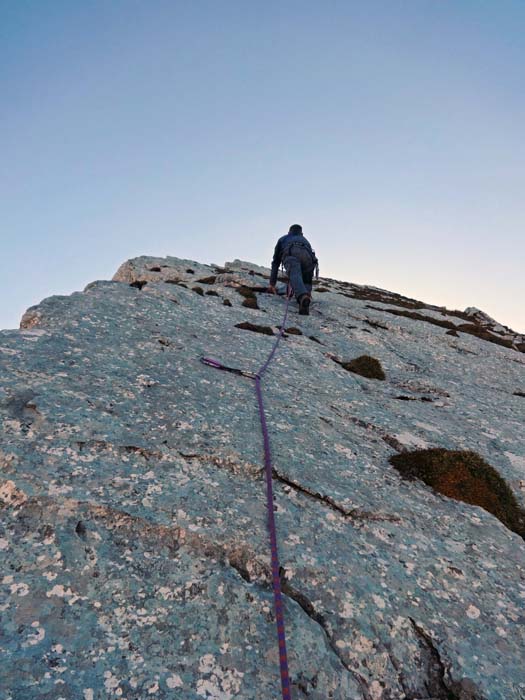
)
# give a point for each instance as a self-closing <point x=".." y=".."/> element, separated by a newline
<point x="133" y="543"/>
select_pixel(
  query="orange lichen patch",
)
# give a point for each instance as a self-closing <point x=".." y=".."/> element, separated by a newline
<point x="464" y="476"/>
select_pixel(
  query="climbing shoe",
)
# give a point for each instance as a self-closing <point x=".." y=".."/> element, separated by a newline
<point x="304" y="305"/>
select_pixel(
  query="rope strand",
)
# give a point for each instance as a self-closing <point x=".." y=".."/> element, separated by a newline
<point x="276" y="578"/>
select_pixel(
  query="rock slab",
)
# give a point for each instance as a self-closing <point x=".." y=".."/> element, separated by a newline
<point x="133" y="545"/>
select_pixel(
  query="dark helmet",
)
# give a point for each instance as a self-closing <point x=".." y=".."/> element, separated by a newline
<point x="296" y="228"/>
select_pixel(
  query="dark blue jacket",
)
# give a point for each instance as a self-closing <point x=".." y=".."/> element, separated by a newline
<point x="282" y="249"/>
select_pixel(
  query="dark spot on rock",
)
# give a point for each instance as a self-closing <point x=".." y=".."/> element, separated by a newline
<point x="80" y="529"/>
<point x="138" y="284"/>
<point x="292" y="330"/>
<point x="375" y="324"/>
<point x="384" y="297"/>
<point x="164" y="341"/>
<point x="470" y="328"/>
<point x="316" y="340"/>
<point x="251" y="303"/>
<point x="322" y="289"/>
<point x="426" y="399"/>
<point x="416" y="317"/>
<point x="246" y="292"/>
<point x="405" y="398"/>
<point x="154" y="269"/>
<point x="226" y="302"/>
<point x="464" y="476"/>
<point x="207" y="280"/>
<point x="453" y="332"/>
<point x="484" y="334"/>
<point x="455" y="570"/>
<point x="364" y="365"/>
<point x="351" y="328"/>
<point x="189" y="271"/>
<point x="247" y="326"/>
<point x="366" y="330"/>
<point x="47" y="531"/>
<point x="198" y="290"/>
<point x="519" y="393"/>
<point x="212" y="293"/>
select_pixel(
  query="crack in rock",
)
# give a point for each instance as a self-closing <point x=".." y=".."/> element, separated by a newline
<point x="389" y="439"/>
<point x="120" y="449"/>
<point x="308" y="608"/>
<point x="350" y="514"/>
<point x="438" y="682"/>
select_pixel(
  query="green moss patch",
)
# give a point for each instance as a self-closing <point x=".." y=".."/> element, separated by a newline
<point x="464" y="476"/>
<point x="247" y="326"/>
<point x="364" y="365"/>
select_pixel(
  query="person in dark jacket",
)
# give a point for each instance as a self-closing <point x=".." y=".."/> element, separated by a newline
<point x="296" y="254"/>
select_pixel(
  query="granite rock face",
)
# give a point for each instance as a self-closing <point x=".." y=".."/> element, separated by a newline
<point x="133" y="546"/>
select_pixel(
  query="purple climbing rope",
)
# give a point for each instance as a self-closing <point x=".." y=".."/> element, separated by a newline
<point x="276" y="578"/>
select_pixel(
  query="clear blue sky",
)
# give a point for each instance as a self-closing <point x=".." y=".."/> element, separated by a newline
<point x="392" y="130"/>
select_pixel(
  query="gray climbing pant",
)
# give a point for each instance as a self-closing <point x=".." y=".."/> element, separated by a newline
<point x="300" y="268"/>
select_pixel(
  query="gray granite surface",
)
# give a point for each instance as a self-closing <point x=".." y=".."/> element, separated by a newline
<point x="133" y="546"/>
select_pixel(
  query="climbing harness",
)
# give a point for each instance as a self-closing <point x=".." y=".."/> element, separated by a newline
<point x="276" y="579"/>
<point x="300" y="244"/>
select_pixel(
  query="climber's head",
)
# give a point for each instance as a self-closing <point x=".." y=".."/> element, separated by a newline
<point x="296" y="229"/>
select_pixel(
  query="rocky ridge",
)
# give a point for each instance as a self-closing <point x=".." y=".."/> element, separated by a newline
<point x="133" y="543"/>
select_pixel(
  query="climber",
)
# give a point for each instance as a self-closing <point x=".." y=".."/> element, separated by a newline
<point x="299" y="261"/>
